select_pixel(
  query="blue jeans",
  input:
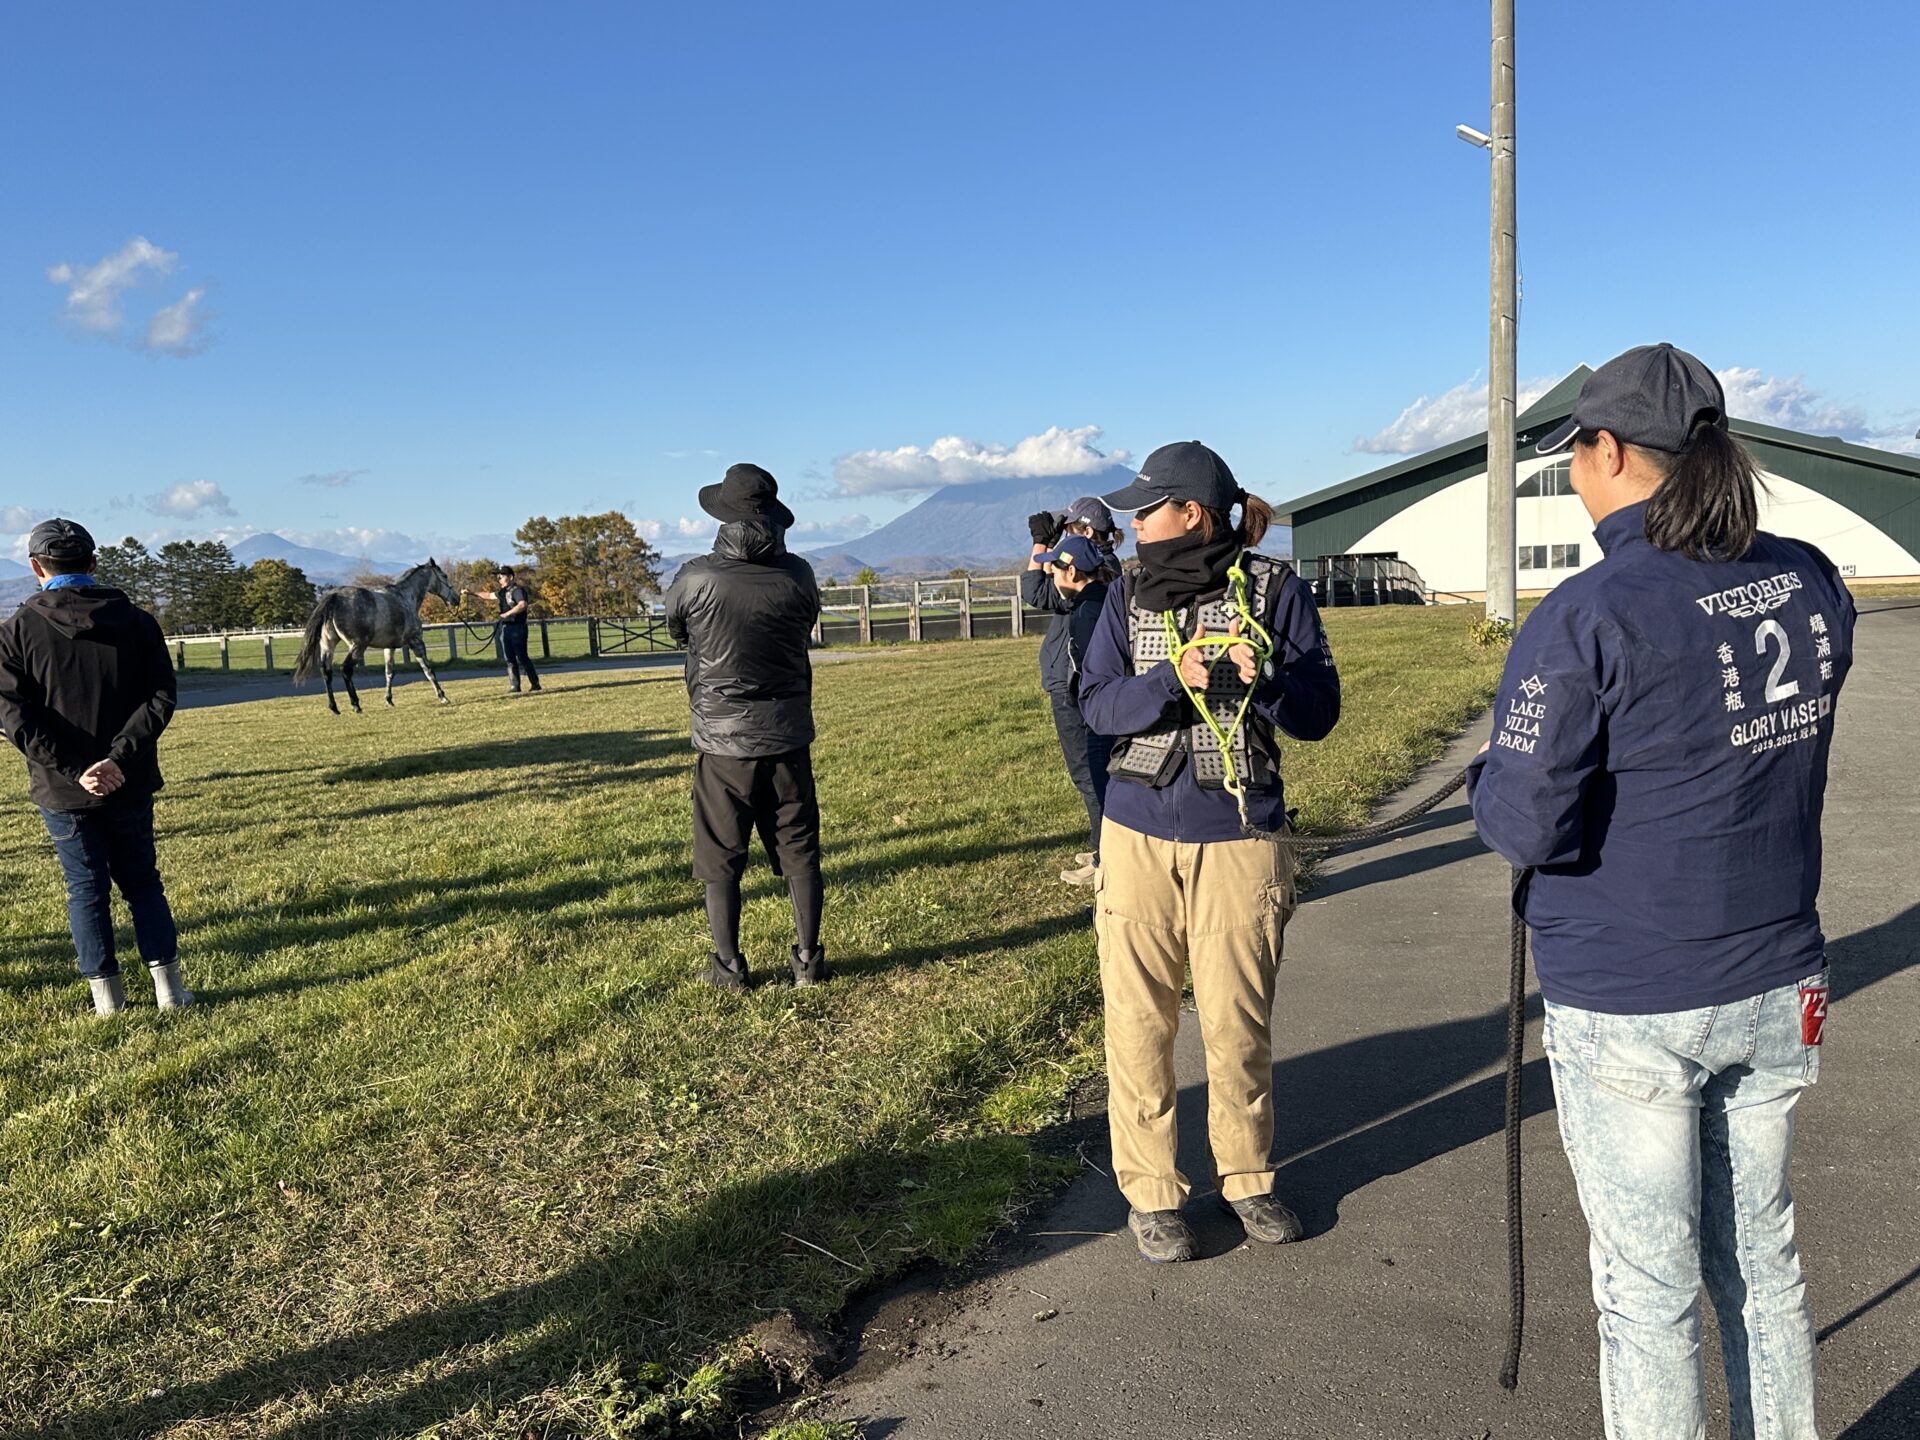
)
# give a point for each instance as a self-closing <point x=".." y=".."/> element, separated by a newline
<point x="1678" y="1128"/>
<point x="99" y="849"/>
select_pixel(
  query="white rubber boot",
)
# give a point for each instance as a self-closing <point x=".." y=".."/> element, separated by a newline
<point x="109" y="995"/>
<point x="169" y="990"/>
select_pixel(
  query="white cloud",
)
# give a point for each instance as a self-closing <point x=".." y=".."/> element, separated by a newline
<point x="18" y="517"/>
<point x="332" y="479"/>
<point x="93" y="293"/>
<point x="1435" y="420"/>
<point x="1788" y="402"/>
<point x="190" y="498"/>
<point x="179" y="329"/>
<point x="952" y="460"/>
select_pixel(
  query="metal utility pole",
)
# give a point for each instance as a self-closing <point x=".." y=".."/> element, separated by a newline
<point x="1502" y="363"/>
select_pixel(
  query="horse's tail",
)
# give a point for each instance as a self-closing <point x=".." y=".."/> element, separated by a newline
<point x="310" y="646"/>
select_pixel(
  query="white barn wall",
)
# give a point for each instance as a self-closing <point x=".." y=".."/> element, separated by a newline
<point x="1444" y="535"/>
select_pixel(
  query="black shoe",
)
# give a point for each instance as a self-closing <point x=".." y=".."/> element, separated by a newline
<point x="1267" y="1220"/>
<point x="1162" y="1235"/>
<point x="810" y="967"/>
<point x="725" y="974"/>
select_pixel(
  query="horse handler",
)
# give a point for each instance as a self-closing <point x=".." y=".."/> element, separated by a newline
<point x="86" y="687"/>
<point x="745" y="614"/>
<point x="1658" y="768"/>
<point x="511" y="596"/>
<point x="1198" y="658"/>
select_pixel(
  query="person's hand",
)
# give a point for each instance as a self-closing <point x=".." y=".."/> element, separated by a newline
<point x="1488" y="745"/>
<point x="1044" y="526"/>
<point x="1194" y="663"/>
<point x="103" y="778"/>
<point x="1242" y="656"/>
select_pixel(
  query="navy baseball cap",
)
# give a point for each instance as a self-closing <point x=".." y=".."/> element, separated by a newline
<point x="1089" y="510"/>
<point x="1185" y="470"/>
<point x="1653" y="395"/>
<point x="1077" y="551"/>
<point x="58" y="539"/>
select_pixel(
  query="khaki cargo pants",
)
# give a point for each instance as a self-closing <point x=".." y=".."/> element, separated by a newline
<point x="1221" y="908"/>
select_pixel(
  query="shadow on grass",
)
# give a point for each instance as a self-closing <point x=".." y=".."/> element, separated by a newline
<point x="611" y="750"/>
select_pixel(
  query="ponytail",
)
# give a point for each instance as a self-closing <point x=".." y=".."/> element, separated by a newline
<point x="1707" y="506"/>
<point x="1255" y="516"/>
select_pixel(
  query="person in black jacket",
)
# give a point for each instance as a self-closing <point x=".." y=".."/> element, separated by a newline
<point x="86" y="687"/>
<point x="745" y="614"/>
<point x="1070" y="579"/>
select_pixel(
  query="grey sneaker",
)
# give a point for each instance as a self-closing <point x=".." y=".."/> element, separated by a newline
<point x="1083" y="875"/>
<point x="1162" y="1235"/>
<point x="169" y="990"/>
<point x="109" y="994"/>
<point x="725" y="974"/>
<point x="1083" y="857"/>
<point x="1267" y="1220"/>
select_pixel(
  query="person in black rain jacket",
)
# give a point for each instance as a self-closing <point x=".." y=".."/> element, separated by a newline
<point x="745" y="614"/>
<point x="86" y="688"/>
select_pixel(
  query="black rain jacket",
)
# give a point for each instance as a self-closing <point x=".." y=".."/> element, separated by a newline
<point x="745" y="614"/>
<point x="85" y="677"/>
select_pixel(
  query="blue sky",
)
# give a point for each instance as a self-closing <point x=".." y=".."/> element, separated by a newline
<point x="431" y="268"/>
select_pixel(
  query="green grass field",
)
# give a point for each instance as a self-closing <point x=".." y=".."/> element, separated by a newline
<point x="456" y="1146"/>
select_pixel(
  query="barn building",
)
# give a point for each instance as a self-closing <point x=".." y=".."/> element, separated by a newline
<point x="1860" y="505"/>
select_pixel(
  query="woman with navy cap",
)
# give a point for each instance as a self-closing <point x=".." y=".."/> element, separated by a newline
<point x="1068" y="578"/>
<point x="1199" y="659"/>
<point x="1657" y="770"/>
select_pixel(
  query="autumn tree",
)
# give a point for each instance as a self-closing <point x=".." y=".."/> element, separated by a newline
<point x="277" y="594"/>
<point x="590" y="564"/>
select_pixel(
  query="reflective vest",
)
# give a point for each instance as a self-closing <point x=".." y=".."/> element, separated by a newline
<point x="1152" y="758"/>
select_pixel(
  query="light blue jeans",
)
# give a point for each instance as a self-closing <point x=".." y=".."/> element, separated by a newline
<point x="1678" y="1128"/>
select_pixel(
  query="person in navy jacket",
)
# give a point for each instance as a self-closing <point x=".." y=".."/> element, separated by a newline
<point x="1192" y="873"/>
<point x="1656" y="773"/>
<point x="1069" y="580"/>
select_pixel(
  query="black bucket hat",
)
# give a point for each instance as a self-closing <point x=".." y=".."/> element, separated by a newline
<point x="746" y="492"/>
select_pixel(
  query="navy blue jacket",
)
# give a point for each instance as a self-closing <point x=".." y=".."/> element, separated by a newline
<point x="1660" y="758"/>
<point x="1299" y="694"/>
<point x="1064" y="649"/>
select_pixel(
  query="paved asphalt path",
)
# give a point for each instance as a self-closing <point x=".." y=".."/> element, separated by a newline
<point x="1388" y="1320"/>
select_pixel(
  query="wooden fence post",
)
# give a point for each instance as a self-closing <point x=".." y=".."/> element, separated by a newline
<point x="1017" y="616"/>
<point x="866" y="614"/>
<point x="966" y="607"/>
<point x="453" y="643"/>
<point x="546" y="650"/>
<point x="913" y="614"/>
<point x="593" y="637"/>
<point x="819" y="631"/>
<point x="224" y="660"/>
<point x="180" y="654"/>
<point x="267" y="640"/>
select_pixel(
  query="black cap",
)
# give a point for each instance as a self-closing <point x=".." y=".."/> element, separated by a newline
<point x="746" y="492"/>
<point x="60" y="540"/>
<point x="1185" y="470"/>
<point x="1654" y="395"/>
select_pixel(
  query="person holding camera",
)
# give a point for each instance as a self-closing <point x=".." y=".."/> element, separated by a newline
<point x="1069" y="580"/>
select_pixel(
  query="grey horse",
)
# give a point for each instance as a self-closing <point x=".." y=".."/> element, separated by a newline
<point x="361" y="615"/>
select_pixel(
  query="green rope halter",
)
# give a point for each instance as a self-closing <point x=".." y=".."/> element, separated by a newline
<point x="1255" y="637"/>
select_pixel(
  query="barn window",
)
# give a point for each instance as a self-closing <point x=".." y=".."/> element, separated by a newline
<point x="1556" y="479"/>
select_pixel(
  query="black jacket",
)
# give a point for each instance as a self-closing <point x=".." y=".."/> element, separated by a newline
<point x="1074" y="617"/>
<point x="84" y="677"/>
<point x="745" y="614"/>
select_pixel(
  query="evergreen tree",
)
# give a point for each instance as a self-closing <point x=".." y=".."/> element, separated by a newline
<point x="277" y="595"/>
